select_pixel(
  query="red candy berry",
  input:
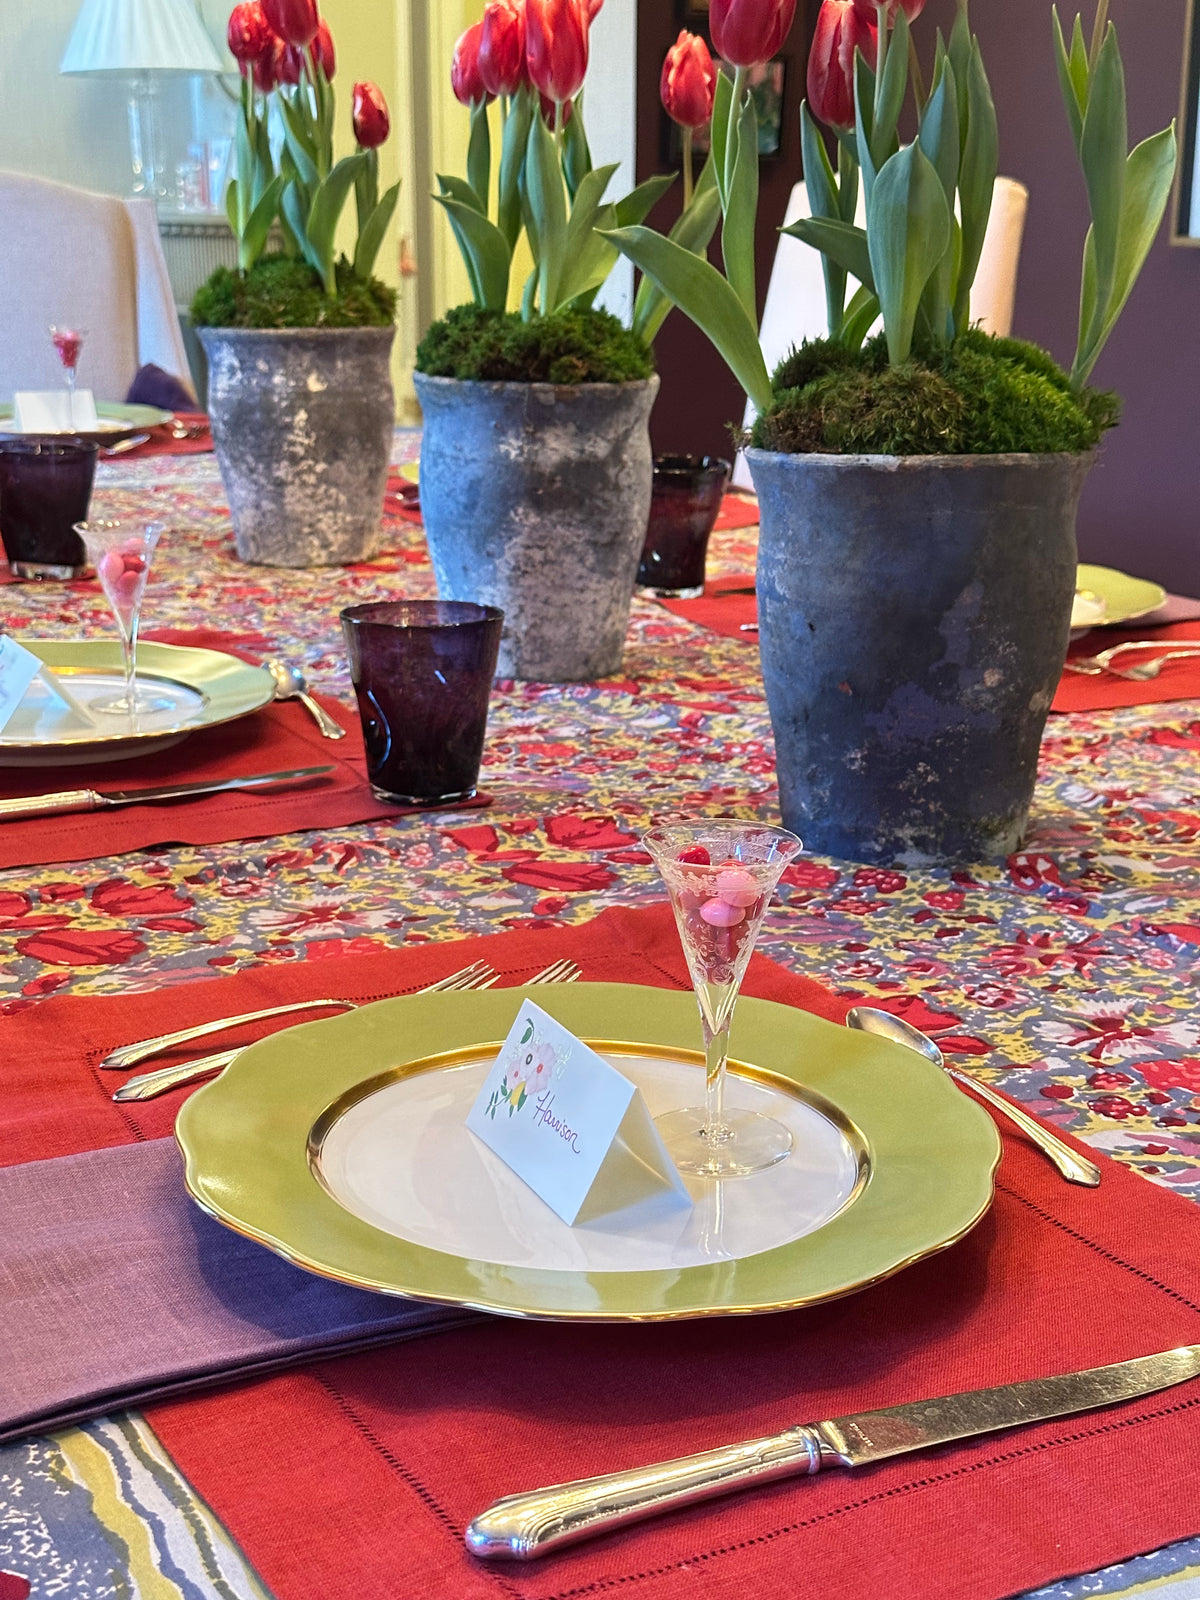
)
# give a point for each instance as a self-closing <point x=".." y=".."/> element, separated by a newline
<point x="694" y="856"/>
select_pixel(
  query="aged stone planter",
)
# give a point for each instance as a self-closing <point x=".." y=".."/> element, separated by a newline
<point x="302" y="422"/>
<point x="535" y="499"/>
<point x="914" y="616"/>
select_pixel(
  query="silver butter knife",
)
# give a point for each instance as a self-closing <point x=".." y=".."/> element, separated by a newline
<point x="43" y="805"/>
<point x="525" y="1526"/>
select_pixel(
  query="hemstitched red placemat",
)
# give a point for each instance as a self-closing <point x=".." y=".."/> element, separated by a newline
<point x="282" y="737"/>
<point x="723" y="608"/>
<point x="1178" y="680"/>
<point x="357" y="1476"/>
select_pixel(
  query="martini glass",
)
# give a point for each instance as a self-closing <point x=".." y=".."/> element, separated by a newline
<point x="69" y="344"/>
<point x="720" y="876"/>
<point x="121" y="553"/>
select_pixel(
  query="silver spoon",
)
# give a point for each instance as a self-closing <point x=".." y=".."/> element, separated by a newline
<point x="290" y="684"/>
<point x="1074" y="1168"/>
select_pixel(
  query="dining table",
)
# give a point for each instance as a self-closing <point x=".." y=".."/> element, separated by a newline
<point x="1064" y="977"/>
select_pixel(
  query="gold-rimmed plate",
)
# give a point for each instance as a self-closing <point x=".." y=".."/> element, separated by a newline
<point x="204" y="688"/>
<point x="113" y="423"/>
<point x="1105" y="597"/>
<point x="340" y="1145"/>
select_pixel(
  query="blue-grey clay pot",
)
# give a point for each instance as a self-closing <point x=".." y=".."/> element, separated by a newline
<point x="914" y="616"/>
<point x="535" y="498"/>
<point x="302" y="422"/>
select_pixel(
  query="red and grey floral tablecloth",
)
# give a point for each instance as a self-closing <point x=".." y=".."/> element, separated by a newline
<point x="1066" y="976"/>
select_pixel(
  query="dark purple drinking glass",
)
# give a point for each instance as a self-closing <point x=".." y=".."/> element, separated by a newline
<point x="45" y="489"/>
<point x="683" y="509"/>
<point x="423" y="671"/>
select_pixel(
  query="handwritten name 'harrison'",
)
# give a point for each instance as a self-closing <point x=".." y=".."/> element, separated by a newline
<point x="544" y="1114"/>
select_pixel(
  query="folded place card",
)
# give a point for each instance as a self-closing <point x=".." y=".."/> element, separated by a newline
<point x="569" y="1125"/>
<point x="20" y="669"/>
<point x="54" y="411"/>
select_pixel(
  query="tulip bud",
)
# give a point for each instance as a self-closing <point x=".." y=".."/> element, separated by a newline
<point x="291" y="65"/>
<point x="839" y="33"/>
<point x="867" y="13"/>
<point x="322" y="52"/>
<point x="556" y="46"/>
<point x="689" y="82"/>
<point x="269" y="66"/>
<point x="295" y="21"/>
<point x="372" y="121"/>
<point x="465" y="78"/>
<point x="748" y="32"/>
<point x="502" y="47"/>
<point x="249" y="33"/>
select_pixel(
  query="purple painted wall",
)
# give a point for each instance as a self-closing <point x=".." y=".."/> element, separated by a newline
<point x="1141" y="509"/>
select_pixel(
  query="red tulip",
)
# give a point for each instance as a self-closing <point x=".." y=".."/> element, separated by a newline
<point x="295" y="21"/>
<point x="249" y="33"/>
<point x="291" y="65"/>
<point x="550" y="111"/>
<point x="322" y="52"/>
<point x="748" y="32"/>
<point x="867" y="12"/>
<point x="689" y="82"/>
<point x="372" y="120"/>
<point x="502" y="47"/>
<point x="556" y="46"/>
<point x="839" y="33"/>
<point x="594" y="7"/>
<point x="465" y="78"/>
<point x="268" y="69"/>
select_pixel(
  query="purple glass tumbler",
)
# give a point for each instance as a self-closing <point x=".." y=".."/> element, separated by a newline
<point x="45" y="489"/>
<point x="423" y="671"/>
<point x="684" y="505"/>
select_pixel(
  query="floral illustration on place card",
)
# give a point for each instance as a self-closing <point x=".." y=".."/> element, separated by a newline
<point x="529" y="1067"/>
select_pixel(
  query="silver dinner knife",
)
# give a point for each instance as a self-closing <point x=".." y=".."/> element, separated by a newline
<point x="525" y="1526"/>
<point x="43" y="805"/>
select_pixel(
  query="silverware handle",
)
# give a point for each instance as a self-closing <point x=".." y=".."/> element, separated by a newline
<point x="49" y="805"/>
<point x="525" y="1526"/>
<point x="128" y="1055"/>
<point x="1074" y="1168"/>
<point x="330" y="728"/>
<point x="150" y="1084"/>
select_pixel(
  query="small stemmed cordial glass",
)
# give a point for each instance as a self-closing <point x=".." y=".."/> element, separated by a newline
<point x="69" y="344"/>
<point x="720" y="876"/>
<point x="121" y="553"/>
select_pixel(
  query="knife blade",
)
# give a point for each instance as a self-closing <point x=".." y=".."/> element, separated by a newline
<point x="69" y="800"/>
<point x="522" y="1527"/>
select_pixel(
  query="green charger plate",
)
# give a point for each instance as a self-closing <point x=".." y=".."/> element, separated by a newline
<point x="117" y="422"/>
<point x="1125" y="598"/>
<point x="927" y="1153"/>
<point x="227" y="689"/>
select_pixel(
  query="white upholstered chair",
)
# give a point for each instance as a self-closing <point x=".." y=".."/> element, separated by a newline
<point x="91" y="260"/>
<point x="795" y="307"/>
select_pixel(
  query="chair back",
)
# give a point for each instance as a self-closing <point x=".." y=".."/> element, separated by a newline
<point x="91" y="261"/>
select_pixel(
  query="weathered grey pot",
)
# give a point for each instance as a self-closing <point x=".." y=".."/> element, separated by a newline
<point x="535" y="499"/>
<point x="914" y="616"/>
<point x="302" y="422"/>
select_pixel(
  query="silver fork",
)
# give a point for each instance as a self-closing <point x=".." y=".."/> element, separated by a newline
<point x="1097" y="665"/>
<point x="128" y="1055"/>
<point x="148" y="1085"/>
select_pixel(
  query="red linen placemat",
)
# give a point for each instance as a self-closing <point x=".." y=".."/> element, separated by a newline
<point x="720" y="611"/>
<point x="162" y="442"/>
<point x="356" y="1477"/>
<point x="280" y="738"/>
<point x="1178" y="680"/>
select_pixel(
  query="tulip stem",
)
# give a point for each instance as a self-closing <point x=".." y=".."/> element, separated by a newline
<point x="881" y="12"/>
<point x="918" y="78"/>
<point x="731" y="133"/>
<point x="689" y="181"/>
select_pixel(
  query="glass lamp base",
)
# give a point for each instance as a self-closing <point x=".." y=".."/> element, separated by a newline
<point x="745" y="1142"/>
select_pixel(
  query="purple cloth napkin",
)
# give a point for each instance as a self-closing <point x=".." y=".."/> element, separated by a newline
<point x="116" y="1290"/>
<point x="154" y="387"/>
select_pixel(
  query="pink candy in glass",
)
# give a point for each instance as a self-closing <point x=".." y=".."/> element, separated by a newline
<point x="720" y="914"/>
<point x="122" y="571"/>
<point x="736" y="887"/>
<point x="69" y="345"/>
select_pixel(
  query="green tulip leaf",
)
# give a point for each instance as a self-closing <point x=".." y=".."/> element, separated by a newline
<point x="890" y="88"/>
<point x="693" y="232"/>
<point x="458" y="189"/>
<point x="640" y="202"/>
<point x="1072" y="99"/>
<point x="908" y="234"/>
<point x="577" y="155"/>
<point x="976" y="180"/>
<point x="548" y="206"/>
<point x="512" y="159"/>
<point x="1103" y="152"/>
<point x="861" y="316"/>
<point x="741" y="212"/>
<point x="327" y="207"/>
<point x="719" y="128"/>
<point x="825" y="201"/>
<point x="864" y="119"/>
<point x="296" y="215"/>
<point x="254" y="239"/>
<point x="845" y="244"/>
<point x="233" y="207"/>
<point x="939" y="130"/>
<point x="371" y="234"/>
<point x="588" y="259"/>
<point x="702" y="294"/>
<point x="300" y="146"/>
<point x="485" y="252"/>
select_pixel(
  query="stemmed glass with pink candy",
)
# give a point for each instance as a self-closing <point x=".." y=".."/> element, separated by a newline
<point x="720" y="876"/>
<point x="69" y="344"/>
<point x="121" y="553"/>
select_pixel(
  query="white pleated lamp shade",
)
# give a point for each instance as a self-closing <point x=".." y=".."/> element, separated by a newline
<point x="140" y="36"/>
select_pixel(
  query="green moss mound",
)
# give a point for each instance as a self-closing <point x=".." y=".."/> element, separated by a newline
<point x="498" y="347"/>
<point x="284" y="292"/>
<point x="982" y="396"/>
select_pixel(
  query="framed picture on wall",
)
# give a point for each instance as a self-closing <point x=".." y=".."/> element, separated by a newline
<point x="768" y="84"/>
<point x="692" y="10"/>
